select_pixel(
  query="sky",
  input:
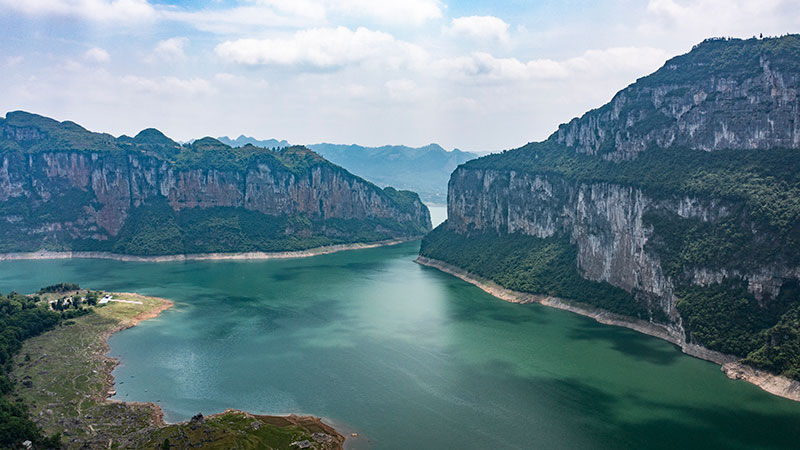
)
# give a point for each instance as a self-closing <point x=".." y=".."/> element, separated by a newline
<point x="477" y="75"/>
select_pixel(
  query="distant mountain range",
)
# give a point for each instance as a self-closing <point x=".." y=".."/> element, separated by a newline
<point x="243" y="140"/>
<point x="424" y="170"/>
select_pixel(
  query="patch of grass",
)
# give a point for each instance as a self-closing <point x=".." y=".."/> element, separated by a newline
<point x="65" y="380"/>
<point x="236" y="429"/>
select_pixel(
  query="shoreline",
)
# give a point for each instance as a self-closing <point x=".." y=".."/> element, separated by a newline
<point x="157" y="416"/>
<point x="315" y="251"/>
<point x="730" y="365"/>
<point x="105" y="393"/>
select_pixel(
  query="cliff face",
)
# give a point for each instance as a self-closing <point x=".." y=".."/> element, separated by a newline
<point x="57" y="197"/>
<point x="697" y="103"/>
<point x="678" y="192"/>
<point x="605" y="221"/>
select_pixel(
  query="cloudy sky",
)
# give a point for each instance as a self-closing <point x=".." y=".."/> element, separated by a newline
<point x="472" y="74"/>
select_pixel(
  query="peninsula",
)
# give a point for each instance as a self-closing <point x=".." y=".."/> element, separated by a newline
<point x="64" y="378"/>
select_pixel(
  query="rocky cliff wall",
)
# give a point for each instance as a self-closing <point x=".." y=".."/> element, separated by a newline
<point x="605" y="221"/>
<point x="760" y="110"/>
<point x="101" y="188"/>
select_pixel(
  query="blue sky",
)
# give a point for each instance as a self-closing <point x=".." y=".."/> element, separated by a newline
<point x="477" y="75"/>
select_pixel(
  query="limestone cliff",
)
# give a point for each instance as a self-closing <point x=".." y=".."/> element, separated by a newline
<point x="719" y="96"/>
<point x="62" y="187"/>
<point x="679" y="192"/>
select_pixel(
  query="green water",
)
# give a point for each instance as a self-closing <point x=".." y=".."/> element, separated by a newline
<point x="411" y="358"/>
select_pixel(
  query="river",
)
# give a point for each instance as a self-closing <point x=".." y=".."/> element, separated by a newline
<point x="410" y="358"/>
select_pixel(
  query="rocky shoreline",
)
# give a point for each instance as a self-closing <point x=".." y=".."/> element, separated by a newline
<point x="730" y="365"/>
<point x="45" y="254"/>
<point x="66" y="379"/>
<point x="111" y="362"/>
<point x="334" y="438"/>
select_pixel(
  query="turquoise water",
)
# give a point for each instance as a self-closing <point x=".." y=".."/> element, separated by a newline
<point x="411" y="358"/>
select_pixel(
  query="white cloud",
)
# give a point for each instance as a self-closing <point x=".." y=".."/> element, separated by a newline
<point x="238" y="19"/>
<point x="356" y="91"/>
<point x="700" y="19"/>
<point x="484" y="66"/>
<point x="480" y="66"/>
<point x="402" y="89"/>
<point x="480" y="28"/>
<point x="322" y="48"/>
<point x="636" y="60"/>
<point x="168" y="85"/>
<point x="13" y="61"/>
<point x="233" y="81"/>
<point x="98" y="10"/>
<point x="413" y="12"/>
<point x="97" y="54"/>
<point x="311" y="9"/>
<point x="171" y="49"/>
<point x="254" y="15"/>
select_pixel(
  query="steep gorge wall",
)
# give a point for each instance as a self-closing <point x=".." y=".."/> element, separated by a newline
<point x="724" y="96"/>
<point x="607" y="222"/>
<point x="102" y="188"/>
<point x="759" y="109"/>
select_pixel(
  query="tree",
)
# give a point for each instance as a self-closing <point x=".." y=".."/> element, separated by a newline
<point x="91" y="298"/>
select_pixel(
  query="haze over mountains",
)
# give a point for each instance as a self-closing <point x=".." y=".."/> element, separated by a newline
<point x="424" y="170"/>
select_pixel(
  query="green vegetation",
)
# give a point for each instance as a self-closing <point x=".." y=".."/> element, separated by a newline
<point x="57" y="219"/>
<point x="780" y="349"/>
<point x="23" y="317"/>
<point x="736" y="59"/>
<point x="33" y="133"/>
<point x="727" y="318"/>
<point x="64" y="381"/>
<point x="528" y="264"/>
<point x="683" y="244"/>
<point x="760" y="188"/>
<point x="236" y="429"/>
<point x="760" y="194"/>
<point x="59" y="288"/>
<point x="156" y="229"/>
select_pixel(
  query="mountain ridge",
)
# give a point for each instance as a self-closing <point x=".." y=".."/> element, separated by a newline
<point x="673" y="203"/>
<point x="424" y="170"/>
<point x="65" y="188"/>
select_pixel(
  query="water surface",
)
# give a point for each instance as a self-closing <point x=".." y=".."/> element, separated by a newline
<point x="411" y="358"/>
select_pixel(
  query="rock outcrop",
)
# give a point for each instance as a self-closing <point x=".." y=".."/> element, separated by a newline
<point x="682" y="182"/>
<point x="59" y="186"/>
<point x="749" y="101"/>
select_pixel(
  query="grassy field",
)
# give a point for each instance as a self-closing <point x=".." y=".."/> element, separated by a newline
<point x="65" y="377"/>
<point x="239" y="430"/>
